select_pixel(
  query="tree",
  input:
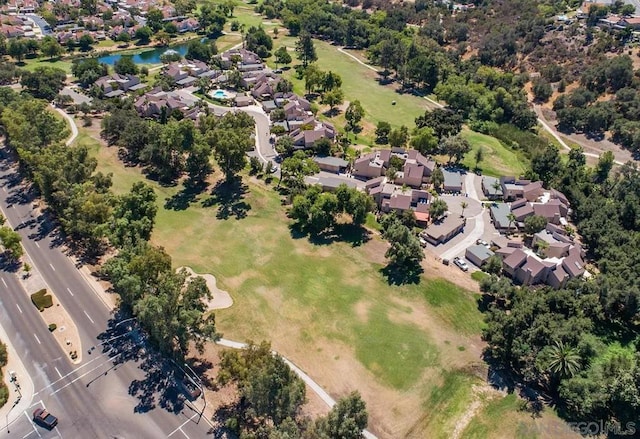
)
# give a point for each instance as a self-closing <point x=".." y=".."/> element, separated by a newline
<point x="493" y="265"/>
<point x="605" y="163"/>
<point x="170" y="28"/>
<point x="284" y="145"/>
<point x="437" y="178"/>
<point x="424" y="141"/>
<point x="305" y="49"/>
<point x="230" y="148"/>
<point x="295" y="168"/>
<point x="282" y="56"/>
<point x="198" y="165"/>
<point x="512" y="219"/>
<point x="354" y="114"/>
<point x="270" y="389"/>
<point x="382" y="132"/>
<point x="144" y="34"/>
<point x="11" y="242"/>
<point x="563" y="361"/>
<point x="44" y="82"/>
<point x="199" y="50"/>
<point x="405" y="250"/>
<point x="542" y="90"/>
<point x="455" y="147"/>
<point x="154" y="19"/>
<point x="444" y="122"/>
<point x="398" y="137"/>
<point x="88" y="70"/>
<point x="333" y="99"/>
<point x="437" y="208"/>
<point x="123" y="37"/>
<point x="478" y="156"/>
<point x="255" y="165"/>
<point x="258" y="41"/>
<point x="17" y="49"/>
<point x="330" y="81"/>
<point x="125" y="66"/>
<point x="346" y="420"/>
<point x="50" y="47"/>
<point x="85" y="42"/>
<point x="163" y="37"/>
<point x="534" y="224"/>
<point x="463" y="205"/>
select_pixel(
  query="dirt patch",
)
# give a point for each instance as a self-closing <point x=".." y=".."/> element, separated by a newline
<point x="221" y="299"/>
<point x="481" y="394"/>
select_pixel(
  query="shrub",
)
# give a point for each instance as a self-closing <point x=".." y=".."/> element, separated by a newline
<point x="53" y="327"/>
<point x="42" y="300"/>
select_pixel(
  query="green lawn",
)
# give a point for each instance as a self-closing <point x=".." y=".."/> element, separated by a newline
<point x="32" y="64"/>
<point x="498" y="160"/>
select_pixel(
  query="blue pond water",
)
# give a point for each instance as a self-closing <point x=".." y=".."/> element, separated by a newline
<point x="147" y="57"/>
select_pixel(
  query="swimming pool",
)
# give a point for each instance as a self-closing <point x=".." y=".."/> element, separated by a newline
<point x="220" y="94"/>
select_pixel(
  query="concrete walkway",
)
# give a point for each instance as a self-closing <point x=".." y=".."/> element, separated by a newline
<point x="72" y="125"/>
<point x="19" y="400"/>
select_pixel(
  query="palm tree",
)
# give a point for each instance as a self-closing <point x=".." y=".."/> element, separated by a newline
<point x="464" y="205"/>
<point x="496" y="186"/>
<point x="542" y="247"/>
<point x="563" y="361"/>
<point x="512" y="218"/>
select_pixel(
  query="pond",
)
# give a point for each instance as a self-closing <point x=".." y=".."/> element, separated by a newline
<point x="151" y="56"/>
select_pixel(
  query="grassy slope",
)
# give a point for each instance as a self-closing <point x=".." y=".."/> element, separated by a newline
<point x="498" y="160"/>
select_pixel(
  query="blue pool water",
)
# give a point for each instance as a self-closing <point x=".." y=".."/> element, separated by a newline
<point x="220" y="94"/>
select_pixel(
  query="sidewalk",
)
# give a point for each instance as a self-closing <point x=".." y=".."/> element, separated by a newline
<point x="18" y="401"/>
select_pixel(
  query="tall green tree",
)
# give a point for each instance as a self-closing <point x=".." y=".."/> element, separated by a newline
<point x="305" y="49"/>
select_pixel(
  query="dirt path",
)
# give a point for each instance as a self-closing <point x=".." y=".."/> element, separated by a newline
<point x="480" y="394"/>
<point x="591" y="148"/>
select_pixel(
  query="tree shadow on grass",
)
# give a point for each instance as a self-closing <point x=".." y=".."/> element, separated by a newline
<point x="229" y="196"/>
<point x="396" y="274"/>
<point x="350" y="233"/>
<point x="185" y="197"/>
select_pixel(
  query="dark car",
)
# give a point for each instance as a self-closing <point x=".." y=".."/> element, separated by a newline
<point x="44" y="418"/>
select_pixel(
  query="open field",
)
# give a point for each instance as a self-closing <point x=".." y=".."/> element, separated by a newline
<point x="33" y="63"/>
<point x="412" y="350"/>
<point x="498" y="160"/>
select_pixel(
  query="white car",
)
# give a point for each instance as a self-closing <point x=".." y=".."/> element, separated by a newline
<point x="482" y="242"/>
<point x="423" y="243"/>
<point x="461" y="263"/>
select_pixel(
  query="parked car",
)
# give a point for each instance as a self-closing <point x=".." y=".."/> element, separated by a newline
<point x="44" y="418"/>
<point x="461" y="263"/>
<point x="482" y="242"/>
<point x="423" y="243"/>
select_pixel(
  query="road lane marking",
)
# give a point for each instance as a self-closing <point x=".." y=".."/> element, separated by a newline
<point x="182" y="425"/>
<point x="19" y="308"/>
<point x="87" y="373"/>
<point x="52" y="267"/>
<point x="5" y="284"/>
<point x="37" y="339"/>
<point x="85" y="313"/>
<point x="99" y="357"/>
<point x="69" y="290"/>
<point x="31" y="422"/>
<point x="57" y="371"/>
<point x="185" y="434"/>
<point x="37" y="245"/>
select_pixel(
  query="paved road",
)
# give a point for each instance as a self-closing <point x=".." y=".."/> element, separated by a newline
<point x="124" y="393"/>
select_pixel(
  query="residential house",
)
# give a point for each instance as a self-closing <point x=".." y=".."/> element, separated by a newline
<point x="478" y="254"/>
<point x="328" y="183"/>
<point x="443" y="231"/>
<point x="116" y="85"/>
<point x="452" y="181"/>
<point x="500" y="215"/>
<point x="243" y="100"/>
<point x="331" y="164"/>
<point x="533" y="271"/>
<point x="416" y="169"/>
<point x="492" y="188"/>
<point x="188" y="25"/>
<point x="553" y="248"/>
<point x="310" y="132"/>
<point x="151" y="104"/>
<point x="243" y="59"/>
<point x="512" y="262"/>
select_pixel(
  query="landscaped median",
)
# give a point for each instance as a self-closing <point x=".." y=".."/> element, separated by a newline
<point x="53" y="314"/>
